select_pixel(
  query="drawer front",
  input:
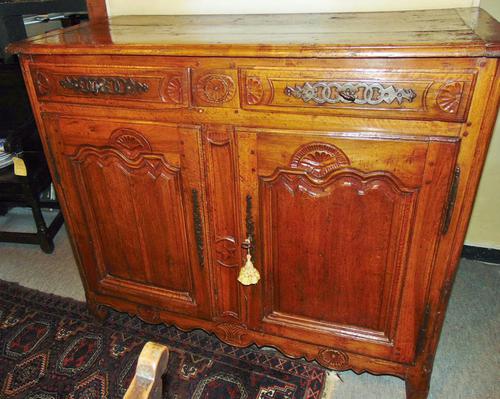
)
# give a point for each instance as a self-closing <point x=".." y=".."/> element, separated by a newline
<point x="401" y="89"/>
<point x="130" y="87"/>
<point x="408" y="94"/>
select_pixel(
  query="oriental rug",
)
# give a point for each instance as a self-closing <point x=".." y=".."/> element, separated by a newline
<point x="53" y="348"/>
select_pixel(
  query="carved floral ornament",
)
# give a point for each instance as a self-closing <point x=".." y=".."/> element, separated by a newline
<point x="108" y="85"/>
<point x="334" y="359"/>
<point x="319" y="159"/>
<point x="172" y="89"/>
<point x="231" y="332"/>
<point x="215" y="88"/>
<point x="226" y="251"/>
<point x="42" y="83"/>
<point x="130" y="142"/>
<point x="254" y="90"/>
<point x="449" y="97"/>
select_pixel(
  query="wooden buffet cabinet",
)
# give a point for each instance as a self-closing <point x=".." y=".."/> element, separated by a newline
<point x="346" y="147"/>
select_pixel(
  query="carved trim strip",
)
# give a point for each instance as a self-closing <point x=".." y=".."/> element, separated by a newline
<point x="319" y="159"/>
<point x="107" y="85"/>
<point x="129" y="147"/>
<point x="349" y="92"/>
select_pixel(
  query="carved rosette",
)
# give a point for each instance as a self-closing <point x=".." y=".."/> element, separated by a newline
<point x="254" y="90"/>
<point x="130" y="142"/>
<point x="231" y="333"/>
<point x="449" y="97"/>
<point x="319" y="159"/>
<point x="215" y="88"/>
<point x="333" y="359"/>
<point x="42" y="84"/>
<point x="225" y="252"/>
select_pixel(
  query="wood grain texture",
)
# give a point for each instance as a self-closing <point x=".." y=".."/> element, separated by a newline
<point x="97" y="9"/>
<point x="137" y="161"/>
<point x="453" y="32"/>
<point x="340" y="169"/>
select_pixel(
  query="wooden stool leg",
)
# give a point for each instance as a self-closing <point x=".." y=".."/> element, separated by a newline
<point x="151" y="365"/>
<point x="46" y="242"/>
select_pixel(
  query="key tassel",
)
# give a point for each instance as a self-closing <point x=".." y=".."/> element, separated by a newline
<point x="249" y="274"/>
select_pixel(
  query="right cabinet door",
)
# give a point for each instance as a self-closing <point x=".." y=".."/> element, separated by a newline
<point x="344" y="227"/>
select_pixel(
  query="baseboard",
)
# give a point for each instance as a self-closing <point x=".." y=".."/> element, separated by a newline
<point x="481" y="254"/>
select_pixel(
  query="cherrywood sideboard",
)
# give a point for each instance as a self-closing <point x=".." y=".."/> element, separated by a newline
<point x="339" y="153"/>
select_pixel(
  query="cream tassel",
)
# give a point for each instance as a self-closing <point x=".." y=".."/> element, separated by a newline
<point x="249" y="274"/>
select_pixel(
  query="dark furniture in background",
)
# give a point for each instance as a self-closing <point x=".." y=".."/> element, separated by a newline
<point x="12" y="11"/>
<point x="17" y="125"/>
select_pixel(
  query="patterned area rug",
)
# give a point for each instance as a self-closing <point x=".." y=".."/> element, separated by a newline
<point x="52" y="348"/>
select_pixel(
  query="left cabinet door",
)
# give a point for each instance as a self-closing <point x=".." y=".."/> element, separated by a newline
<point x="135" y="207"/>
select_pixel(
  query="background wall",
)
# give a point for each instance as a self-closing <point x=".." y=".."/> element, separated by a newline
<point x="144" y="7"/>
<point x="484" y="230"/>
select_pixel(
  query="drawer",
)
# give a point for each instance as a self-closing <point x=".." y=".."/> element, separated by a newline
<point x="126" y="86"/>
<point x="432" y="91"/>
<point x="401" y="94"/>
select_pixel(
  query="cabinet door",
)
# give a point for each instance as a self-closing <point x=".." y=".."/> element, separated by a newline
<point x="134" y="197"/>
<point x="345" y="227"/>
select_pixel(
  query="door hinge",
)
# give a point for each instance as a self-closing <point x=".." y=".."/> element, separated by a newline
<point x="423" y="330"/>
<point x="450" y="203"/>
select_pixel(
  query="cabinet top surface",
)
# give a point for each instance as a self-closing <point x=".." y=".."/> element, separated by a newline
<point x="424" y="33"/>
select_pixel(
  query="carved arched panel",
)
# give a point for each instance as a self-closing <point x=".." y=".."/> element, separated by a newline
<point x="128" y="188"/>
<point x="319" y="276"/>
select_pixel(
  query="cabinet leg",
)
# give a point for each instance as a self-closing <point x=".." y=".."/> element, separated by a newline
<point x="99" y="311"/>
<point x="417" y="384"/>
